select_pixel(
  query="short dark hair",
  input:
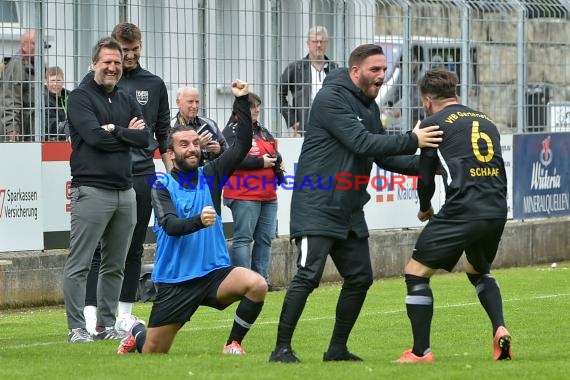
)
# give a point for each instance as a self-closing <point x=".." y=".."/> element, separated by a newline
<point x="174" y="130"/>
<point x="440" y="83"/>
<point x="107" y="43"/>
<point x="362" y="52"/>
<point x="126" y="32"/>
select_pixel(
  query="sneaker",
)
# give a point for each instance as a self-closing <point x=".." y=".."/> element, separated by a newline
<point x="127" y="345"/>
<point x="125" y="324"/>
<point x="108" y="334"/>
<point x="502" y="349"/>
<point x="283" y="354"/>
<point x="409" y="357"/>
<point x="334" y="356"/>
<point x="79" y="335"/>
<point x="233" y="348"/>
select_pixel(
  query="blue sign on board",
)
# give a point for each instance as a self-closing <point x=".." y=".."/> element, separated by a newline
<point x="541" y="175"/>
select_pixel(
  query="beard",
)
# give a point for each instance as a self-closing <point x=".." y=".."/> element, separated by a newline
<point x="185" y="166"/>
<point x="367" y="85"/>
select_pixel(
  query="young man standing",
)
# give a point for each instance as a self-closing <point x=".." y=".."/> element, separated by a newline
<point x="472" y="218"/>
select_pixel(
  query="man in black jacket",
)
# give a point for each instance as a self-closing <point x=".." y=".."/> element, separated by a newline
<point x="150" y="93"/>
<point x="105" y="122"/>
<point x="344" y="138"/>
<point x="303" y="79"/>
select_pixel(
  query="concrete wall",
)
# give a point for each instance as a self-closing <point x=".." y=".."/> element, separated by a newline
<point x="36" y="278"/>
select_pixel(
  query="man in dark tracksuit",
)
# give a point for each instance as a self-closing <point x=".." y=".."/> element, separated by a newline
<point x="344" y="135"/>
<point x="150" y="93"/>
<point x="105" y="122"/>
<point x="471" y="220"/>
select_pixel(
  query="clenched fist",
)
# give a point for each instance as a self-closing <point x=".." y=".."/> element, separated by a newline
<point x="239" y="88"/>
<point x="208" y="216"/>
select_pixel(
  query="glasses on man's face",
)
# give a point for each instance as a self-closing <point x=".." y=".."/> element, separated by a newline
<point x="316" y="42"/>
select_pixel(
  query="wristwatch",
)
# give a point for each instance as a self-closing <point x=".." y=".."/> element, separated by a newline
<point x="110" y="127"/>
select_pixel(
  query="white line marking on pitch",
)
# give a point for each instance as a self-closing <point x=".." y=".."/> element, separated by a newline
<point x="227" y="322"/>
<point x="367" y="314"/>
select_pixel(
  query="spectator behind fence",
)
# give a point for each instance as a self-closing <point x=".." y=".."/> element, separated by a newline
<point x="471" y="220"/>
<point x="55" y="104"/>
<point x="344" y="136"/>
<point x="150" y="93"/>
<point x="192" y="265"/>
<point x="302" y="79"/>
<point x="212" y="140"/>
<point x="17" y="97"/>
<point x="105" y="123"/>
<point x="254" y="203"/>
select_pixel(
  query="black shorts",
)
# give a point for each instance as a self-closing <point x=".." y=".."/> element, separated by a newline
<point x="443" y="241"/>
<point x="178" y="302"/>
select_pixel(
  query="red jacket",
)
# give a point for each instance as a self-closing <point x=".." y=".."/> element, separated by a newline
<point x="251" y="181"/>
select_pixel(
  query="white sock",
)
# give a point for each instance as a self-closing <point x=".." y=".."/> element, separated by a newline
<point x="124" y="308"/>
<point x="90" y="314"/>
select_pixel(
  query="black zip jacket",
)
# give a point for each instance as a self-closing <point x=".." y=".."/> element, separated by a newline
<point x="344" y="137"/>
<point x="150" y="92"/>
<point x="99" y="158"/>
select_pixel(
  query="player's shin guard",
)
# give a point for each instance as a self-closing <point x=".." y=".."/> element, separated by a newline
<point x="246" y="314"/>
<point x="489" y="294"/>
<point x="419" y="305"/>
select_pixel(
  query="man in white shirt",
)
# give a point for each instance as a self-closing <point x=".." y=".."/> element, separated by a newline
<point x="303" y="79"/>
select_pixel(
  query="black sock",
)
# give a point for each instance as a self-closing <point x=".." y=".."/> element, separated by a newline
<point x="419" y="305"/>
<point x="246" y="313"/>
<point x="489" y="294"/>
<point x="139" y="332"/>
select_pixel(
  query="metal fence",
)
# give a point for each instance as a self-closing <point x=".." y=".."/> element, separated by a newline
<point x="512" y="57"/>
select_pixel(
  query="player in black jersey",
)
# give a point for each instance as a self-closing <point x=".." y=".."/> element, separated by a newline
<point x="472" y="218"/>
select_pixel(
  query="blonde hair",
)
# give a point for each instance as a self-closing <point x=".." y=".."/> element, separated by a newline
<point x="54" y="71"/>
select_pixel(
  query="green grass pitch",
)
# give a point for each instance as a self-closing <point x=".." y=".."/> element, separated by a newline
<point x="536" y="303"/>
